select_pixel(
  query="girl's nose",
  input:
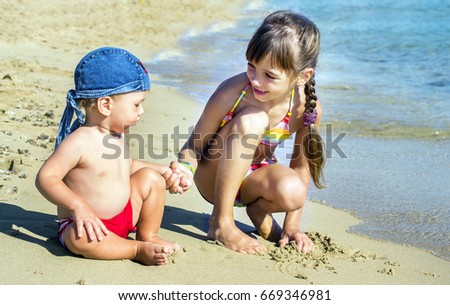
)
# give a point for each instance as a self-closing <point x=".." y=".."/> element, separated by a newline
<point x="255" y="80"/>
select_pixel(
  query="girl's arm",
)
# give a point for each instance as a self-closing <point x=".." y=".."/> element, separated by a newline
<point x="299" y="162"/>
<point x="291" y="225"/>
<point x="209" y="123"/>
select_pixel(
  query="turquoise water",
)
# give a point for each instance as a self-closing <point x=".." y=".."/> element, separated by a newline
<point x="384" y="82"/>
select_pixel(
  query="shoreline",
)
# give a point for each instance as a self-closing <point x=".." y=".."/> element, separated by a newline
<point x="36" y="78"/>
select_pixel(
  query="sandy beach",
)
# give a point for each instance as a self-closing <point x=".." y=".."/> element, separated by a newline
<point x="40" y="45"/>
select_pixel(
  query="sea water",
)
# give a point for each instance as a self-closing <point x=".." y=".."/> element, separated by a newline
<point x="384" y="82"/>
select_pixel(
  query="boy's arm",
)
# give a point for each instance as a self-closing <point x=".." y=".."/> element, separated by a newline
<point x="171" y="177"/>
<point x="49" y="182"/>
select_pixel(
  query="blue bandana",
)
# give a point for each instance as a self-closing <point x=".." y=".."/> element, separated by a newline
<point x="102" y="72"/>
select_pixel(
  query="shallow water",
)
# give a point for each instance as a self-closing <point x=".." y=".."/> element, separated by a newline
<point x="384" y="81"/>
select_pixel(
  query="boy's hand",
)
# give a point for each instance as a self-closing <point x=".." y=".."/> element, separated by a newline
<point x="186" y="182"/>
<point x="86" y="218"/>
<point x="172" y="181"/>
<point x="187" y="179"/>
<point x="179" y="179"/>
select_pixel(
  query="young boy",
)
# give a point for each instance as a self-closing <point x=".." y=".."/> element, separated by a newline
<point x="102" y="196"/>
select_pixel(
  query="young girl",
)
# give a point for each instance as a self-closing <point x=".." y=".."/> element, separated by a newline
<point x="230" y="154"/>
<point x="102" y="195"/>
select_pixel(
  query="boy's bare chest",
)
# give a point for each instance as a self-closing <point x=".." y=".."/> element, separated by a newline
<point x="106" y="160"/>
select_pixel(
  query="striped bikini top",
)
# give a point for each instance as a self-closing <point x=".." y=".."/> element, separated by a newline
<point x="274" y="136"/>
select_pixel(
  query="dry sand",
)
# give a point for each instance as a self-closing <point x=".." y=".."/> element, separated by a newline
<point x="41" y="42"/>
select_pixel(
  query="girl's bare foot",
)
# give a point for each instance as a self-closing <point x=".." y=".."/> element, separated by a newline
<point x="234" y="239"/>
<point x="267" y="226"/>
<point x="149" y="254"/>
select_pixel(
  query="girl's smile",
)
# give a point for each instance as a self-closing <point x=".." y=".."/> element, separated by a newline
<point x="257" y="92"/>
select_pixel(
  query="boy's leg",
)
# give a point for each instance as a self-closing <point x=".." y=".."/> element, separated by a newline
<point x="148" y="197"/>
<point x="113" y="247"/>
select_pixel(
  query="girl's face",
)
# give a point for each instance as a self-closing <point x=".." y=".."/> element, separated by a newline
<point x="128" y="109"/>
<point x="268" y="83"/>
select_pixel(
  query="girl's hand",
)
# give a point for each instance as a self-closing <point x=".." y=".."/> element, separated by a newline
<point x="86" y="219"/>
<point x="303" y="242"/>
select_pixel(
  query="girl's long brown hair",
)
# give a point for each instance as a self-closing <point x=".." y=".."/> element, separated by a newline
<point x="293" y="42"/>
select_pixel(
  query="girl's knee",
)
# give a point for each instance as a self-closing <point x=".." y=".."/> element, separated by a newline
<point x="291" y="192"/>
<point x="251" y="121"/>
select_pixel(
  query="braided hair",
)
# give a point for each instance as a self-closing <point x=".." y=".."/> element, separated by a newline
<point x="293" y="42"/>
<point x="313" y="141"/>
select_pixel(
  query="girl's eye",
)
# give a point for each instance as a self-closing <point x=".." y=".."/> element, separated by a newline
<point x="268" y="75"/>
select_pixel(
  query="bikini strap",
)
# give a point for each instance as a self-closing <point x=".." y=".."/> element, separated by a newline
<point x="230" y="113"/>
<point x="244" y="92"/>
<point x="291" y="102"/>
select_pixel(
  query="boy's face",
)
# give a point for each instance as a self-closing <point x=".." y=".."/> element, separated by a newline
<point x="127" y="109"/>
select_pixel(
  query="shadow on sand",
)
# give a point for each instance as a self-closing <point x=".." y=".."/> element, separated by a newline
<point x="40" y="228"/>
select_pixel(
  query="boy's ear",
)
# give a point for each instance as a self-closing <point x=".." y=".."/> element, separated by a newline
<point x="104" y="105"/>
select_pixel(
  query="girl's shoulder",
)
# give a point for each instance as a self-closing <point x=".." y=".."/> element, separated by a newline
<point x="233" y="84"/>
<point x="229" y="90"/>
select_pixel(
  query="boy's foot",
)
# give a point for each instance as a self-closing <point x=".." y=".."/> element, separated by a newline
<point x="156" y="240"/>
<point x="268" y="228"/>
<point x="149" y="254"/>
<point x="234" y="239"/>
<point x="162" y="242"/>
